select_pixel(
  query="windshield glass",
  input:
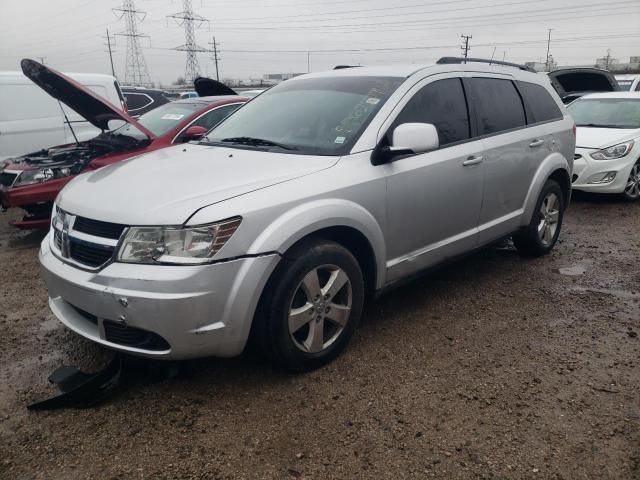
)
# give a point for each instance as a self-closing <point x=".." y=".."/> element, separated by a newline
<point x="609" y="112"/>
<point x="315" y="116"/>
<point x="625" y="85"/>
<point x="160" y="120"/>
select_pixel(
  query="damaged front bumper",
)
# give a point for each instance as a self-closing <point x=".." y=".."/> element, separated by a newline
<point x="159" y="311"/>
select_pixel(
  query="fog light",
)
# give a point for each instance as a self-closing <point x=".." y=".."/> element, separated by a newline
<point x="606" y="177"/>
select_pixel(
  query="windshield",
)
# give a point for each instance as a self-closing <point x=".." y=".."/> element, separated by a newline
<point x="315" y="116"/>
<point x="625" y="85"/>
<point x="160" y="120"/>
<point x="609" y="112"/>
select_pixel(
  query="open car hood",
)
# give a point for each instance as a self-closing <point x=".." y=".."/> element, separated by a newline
<point x="207" y="87"/>
<point x="97" y="110"/>
<point x="570" y="80"/>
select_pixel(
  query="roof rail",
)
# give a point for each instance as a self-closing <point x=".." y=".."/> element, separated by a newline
<point x="340" y="67"/>
<point x="452" y="60"/>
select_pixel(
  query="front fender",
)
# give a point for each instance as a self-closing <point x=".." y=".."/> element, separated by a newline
<point x="553" y="162"/>
<point x="303" y="220"/>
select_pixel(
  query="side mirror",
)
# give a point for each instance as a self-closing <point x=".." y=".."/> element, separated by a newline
<point x="408" y="139"/>
<point x="195" y="132"/>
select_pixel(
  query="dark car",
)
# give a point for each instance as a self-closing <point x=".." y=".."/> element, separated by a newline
<point x="142" y="100"/>
<point x="572" y="83"/>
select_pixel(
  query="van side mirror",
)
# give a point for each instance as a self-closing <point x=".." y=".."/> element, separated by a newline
<point x="195" y="132"/>
<point x="408" y="139"/>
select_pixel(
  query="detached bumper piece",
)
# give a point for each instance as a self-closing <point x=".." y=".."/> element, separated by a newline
<point x="79" y="389"/>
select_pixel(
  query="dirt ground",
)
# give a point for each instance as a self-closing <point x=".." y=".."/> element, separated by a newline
<point x="495" y="367"/>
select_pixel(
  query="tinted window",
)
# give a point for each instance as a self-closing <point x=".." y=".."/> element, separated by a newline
<point x="214" y="117"/>
<point x="443" y="104"/>
<point x="498" y="105"/>
<point x="541" y="104"/>
<point x="136" y="101"/>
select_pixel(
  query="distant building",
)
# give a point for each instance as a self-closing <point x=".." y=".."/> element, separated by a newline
<point x="607" y="62"/>
<point x="279" y="77"/>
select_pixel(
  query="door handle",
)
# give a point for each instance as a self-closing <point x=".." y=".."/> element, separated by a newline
<point x="473" y="160"/>
<point x="537" y="142"/>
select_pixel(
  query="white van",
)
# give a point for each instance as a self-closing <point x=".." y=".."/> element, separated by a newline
<point x="31" y="120"/>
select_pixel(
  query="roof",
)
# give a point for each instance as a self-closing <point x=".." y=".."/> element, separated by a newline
<point x="208" y="100"/>
<point x="621" y="95"/>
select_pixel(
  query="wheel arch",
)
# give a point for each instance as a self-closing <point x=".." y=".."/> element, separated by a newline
<point x="555" y="167"/>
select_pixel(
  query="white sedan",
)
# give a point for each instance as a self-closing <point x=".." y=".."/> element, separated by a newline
<point x="607" y="158"/>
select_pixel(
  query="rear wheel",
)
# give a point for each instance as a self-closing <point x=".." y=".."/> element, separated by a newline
<point x="541" y="235"/>
<point x="311" y="306"/>
<point x="632" y="189"/>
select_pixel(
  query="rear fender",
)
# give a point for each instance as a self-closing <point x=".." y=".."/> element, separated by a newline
<point x="553" y="162"/>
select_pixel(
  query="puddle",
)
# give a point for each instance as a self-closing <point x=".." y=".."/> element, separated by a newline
<point x="573" y="271"/>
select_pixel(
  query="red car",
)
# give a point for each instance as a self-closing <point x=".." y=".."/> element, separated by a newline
<point x="32" y="182"/>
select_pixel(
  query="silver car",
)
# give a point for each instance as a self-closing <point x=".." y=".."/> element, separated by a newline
<point x="317" y="194"/>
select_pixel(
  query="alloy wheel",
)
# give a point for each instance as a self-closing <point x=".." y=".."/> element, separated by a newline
<point x="632" y="190"/>
<point x="320" y="308"/>
<point x="549" y="219"/>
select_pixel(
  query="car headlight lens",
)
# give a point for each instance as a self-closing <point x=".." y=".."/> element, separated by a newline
<point x="611" y="153"/>
<point x="30" y="177"/>
<point x="174" y="245"/>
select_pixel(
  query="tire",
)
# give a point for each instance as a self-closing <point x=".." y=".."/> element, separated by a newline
<point x="290" y="315"/>
<point x="541" y="235"/>
<point x="632" y="187"/>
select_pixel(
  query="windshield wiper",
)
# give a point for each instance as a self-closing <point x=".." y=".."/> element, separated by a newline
<point x="257" y="142"/>
<point x="600" y="125"/>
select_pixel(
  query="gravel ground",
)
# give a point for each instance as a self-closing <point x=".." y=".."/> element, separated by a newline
<point x="494" y="367"/>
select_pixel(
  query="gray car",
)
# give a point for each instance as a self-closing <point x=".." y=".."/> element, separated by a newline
<point x="317" y="194"/>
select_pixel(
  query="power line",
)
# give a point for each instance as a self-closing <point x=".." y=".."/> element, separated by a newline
<point x="135" y="71"/>
<point x="187" y="19"/>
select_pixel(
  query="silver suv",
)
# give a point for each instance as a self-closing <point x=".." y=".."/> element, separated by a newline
<point x="320" y="192"/>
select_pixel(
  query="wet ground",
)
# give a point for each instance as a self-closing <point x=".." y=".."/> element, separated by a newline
<point x="495" y="367"/>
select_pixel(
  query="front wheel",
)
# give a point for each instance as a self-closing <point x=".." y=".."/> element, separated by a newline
<point x="311" y="306"/>
<point x="632" y="189"/>
<point x="541" y="235"/>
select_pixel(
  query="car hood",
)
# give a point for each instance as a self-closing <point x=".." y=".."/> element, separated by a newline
<point x="590" y="137"/>
<point x="167" y="186"/>
<point x="97" y="110"/>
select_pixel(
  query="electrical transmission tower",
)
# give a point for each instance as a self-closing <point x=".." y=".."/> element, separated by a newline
<point x="465" y="45"/>
<point x="135" y="72"/>
<point x="190" y="21"/>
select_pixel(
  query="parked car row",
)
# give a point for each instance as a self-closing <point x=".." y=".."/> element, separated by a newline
<point x="319" y="193"/>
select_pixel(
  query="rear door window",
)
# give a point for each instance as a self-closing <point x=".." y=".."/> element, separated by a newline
<point x="137" y="101"/>
<point x="540" y="103"/>
<point x="441" y="103"/>
<point x="497" y="104"/>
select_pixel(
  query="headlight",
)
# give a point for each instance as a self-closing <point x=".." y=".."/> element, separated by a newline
<point x="611" y="153"/>
<point x="171" y="245"/>
<point x="30" y="177"/>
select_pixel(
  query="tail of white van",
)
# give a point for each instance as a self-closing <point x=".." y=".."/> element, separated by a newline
<point x="30" y="119"/>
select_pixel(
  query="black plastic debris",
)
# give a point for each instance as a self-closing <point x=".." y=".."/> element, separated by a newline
<point x="78" y="389"/>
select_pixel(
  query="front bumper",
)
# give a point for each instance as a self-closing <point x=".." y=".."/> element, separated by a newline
<point x="585" y="169"/>
<point x="198" y="311"/>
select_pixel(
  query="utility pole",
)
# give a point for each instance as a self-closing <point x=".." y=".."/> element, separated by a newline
<point x="135" y="72"/>
<point x="465" y="45"/>
<point x="548" y="49"/>
<point x="607" y="59"/>
<point x="308" y="62"/>
<point x="186" y="19"/>
<point x="41" y="59"/>
<point x="215" y="57"/>
<point x="113" y="70"/>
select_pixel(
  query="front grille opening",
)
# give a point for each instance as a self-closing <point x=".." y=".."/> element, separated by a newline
<point x="90" y="254"/>
<point x="86" y="315"/>
<point x="98" y="228"/>
<point x="133" y="337"/>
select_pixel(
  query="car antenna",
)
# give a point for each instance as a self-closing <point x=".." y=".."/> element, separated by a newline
<point x="66" y="119"/>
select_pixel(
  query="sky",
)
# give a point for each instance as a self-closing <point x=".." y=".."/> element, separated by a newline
<point x="283" y="36"/>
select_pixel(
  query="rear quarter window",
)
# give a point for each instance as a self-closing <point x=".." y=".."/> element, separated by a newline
<point x="497" y="104"/>
<point x="541" y="104"/>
